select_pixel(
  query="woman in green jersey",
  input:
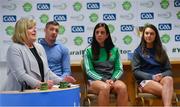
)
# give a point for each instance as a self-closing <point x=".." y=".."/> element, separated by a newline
<point x="104" y="68"/>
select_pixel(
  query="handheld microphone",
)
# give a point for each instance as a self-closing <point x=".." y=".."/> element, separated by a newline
<point x="23" y="86"/>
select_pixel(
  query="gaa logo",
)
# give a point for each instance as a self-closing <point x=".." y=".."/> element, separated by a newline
<point x="43" y="6"/>
<point x="108" y="17"/>
<point x="77" y="29"/>
<point x="147" y="15"/>
<point x="177" y="38"/>
<point x="127" y="28"/>
<point x="89" y="40"/>
<point x="60" y="18"/>
<point x="9" y="18"/>
<point x="165" y="26"/>
<point x="176" y="3"/>
<point x="93" y="5"/>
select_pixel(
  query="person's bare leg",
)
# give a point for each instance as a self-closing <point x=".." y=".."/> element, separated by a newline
<point x="163" y="89"/>
<point x="103" y="90"/>
<point x="153" y="87"/>
<point x="167" y="90"/>
<point x="122" y="95"/>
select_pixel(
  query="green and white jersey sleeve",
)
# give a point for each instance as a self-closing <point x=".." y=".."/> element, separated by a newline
<point x="103" y="69"/>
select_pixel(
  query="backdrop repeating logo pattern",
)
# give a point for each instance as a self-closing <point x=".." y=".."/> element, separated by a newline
<point x="123" y="17"/>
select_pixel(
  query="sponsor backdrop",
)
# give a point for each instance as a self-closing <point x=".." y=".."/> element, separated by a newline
<point x="78" y="17"/>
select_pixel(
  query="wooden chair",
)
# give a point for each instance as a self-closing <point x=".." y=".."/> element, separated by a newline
<point x="146" y="99"/>
<point x="90" y="95"/>
<point x="177" y="88"/>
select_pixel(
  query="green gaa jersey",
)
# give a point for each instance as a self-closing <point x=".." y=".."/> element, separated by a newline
<point x="103" y="69"/>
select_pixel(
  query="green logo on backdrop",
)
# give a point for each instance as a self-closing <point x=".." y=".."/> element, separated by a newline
<point x="78" y="40"/>
<point x="44" y="18"/>
<point x="164" y="4"/>
<point x="61" y="30"/>
<point x="27" y="7"/>
<point x="93" y="17"/>
<point x="10" y="30"/>
<point x="126" y="5"/>
<point x="127" y="39"/>
<point x="77" y="6"/>
<point x="111" y="28"/>
<point x="178" y="15"/>
<point x="165" y="38"/>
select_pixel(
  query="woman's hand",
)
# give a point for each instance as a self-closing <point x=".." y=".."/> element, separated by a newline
<point x="69" y="79"/>
<point x="110" y="82"/>
<point x="157" y="77"/>
<point x="50" y="84"/>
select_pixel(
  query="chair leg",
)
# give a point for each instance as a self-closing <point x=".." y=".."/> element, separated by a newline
<point x="150" y="102"/>
<point x="146" y="102"/>
<point x="175" y="100"/>
<point x="87" y="102"/>
<point x="142" y="100"/>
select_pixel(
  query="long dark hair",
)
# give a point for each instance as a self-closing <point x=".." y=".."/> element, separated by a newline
<point x="108" y="44"/>
<point x="160" y="53"/>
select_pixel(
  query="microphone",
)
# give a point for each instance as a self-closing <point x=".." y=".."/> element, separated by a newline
<point x="23" y="86"/>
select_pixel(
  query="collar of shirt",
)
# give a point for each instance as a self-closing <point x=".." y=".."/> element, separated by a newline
<point x="43" y="42"/>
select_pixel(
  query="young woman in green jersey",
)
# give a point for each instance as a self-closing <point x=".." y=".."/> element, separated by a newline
<point x="104" y="68"/>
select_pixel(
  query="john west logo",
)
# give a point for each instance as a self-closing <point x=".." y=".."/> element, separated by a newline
<point x="165" y="26"/>
<point x="176" y="3"/>
<point x="108" y="17"/>
<point x="127" y="28"/>
<point x="43" y="6"/>
<point x="177" y="38"/>
<point x="94" y="5"/>
<point x="77" y="29"/>
<point x="147" y="15"/>
<point x="9" y="18"/>
<point x="60" y="17"/>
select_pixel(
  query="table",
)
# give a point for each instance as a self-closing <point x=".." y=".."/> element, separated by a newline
<point x="36" y="97"/>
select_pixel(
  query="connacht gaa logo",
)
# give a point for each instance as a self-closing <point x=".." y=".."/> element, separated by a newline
<point x="78" y="40"/>
<point x="164" y="4"/>
<point x="61" y="30"/>
<point x="126" y="5"/>
<point x="10" y="30"/>
<point x="165" y="38"/>
<point x="27" y="7"/>
<point x="77" y="6"/>
<point x="178" y="15"/>
<point x="127" y="39"/>
<point x="93" y="17"/>
<point x="44" y="18"/>
<point x="111" y="28"/>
